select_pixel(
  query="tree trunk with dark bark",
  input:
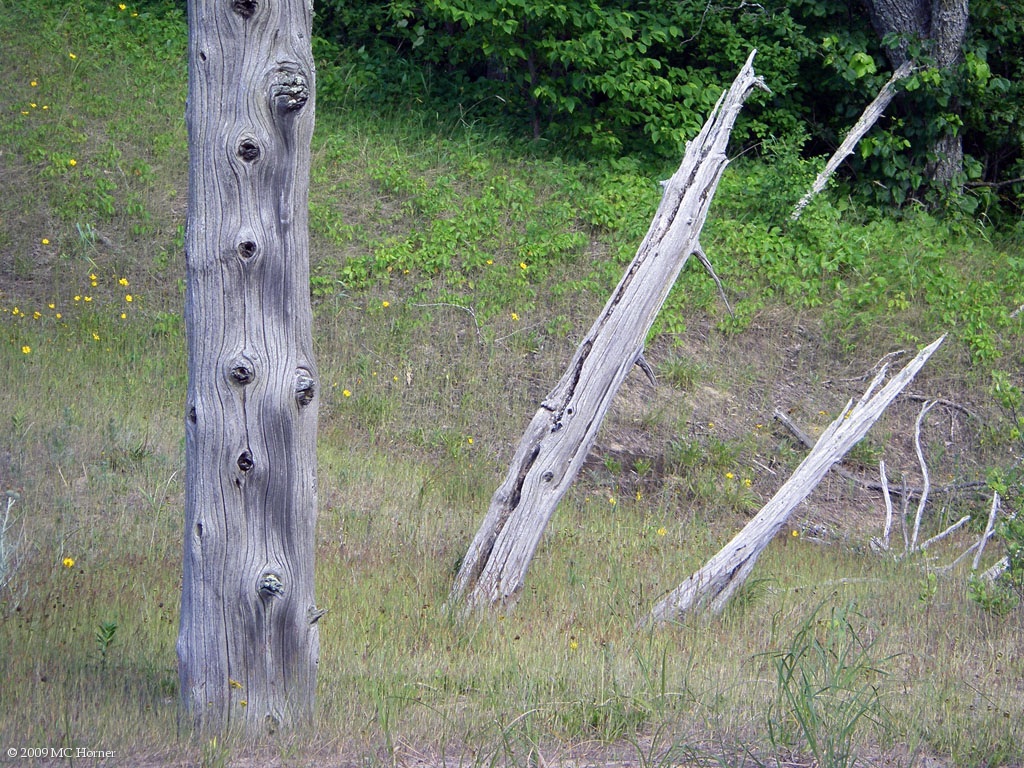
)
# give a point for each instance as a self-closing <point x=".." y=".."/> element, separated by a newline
<point x="941" y="25"/>
<point x="248" y="642"/>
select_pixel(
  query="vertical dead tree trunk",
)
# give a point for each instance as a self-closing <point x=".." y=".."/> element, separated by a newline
<point x="556" y="442"/>
<point x="719" y="578"/>
<point x="248" y="643"/>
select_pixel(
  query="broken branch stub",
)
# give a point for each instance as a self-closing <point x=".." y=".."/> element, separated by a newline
<point x="558" y="438"/>
<point x="719" y="578"/>
<point x="870" y="116"/>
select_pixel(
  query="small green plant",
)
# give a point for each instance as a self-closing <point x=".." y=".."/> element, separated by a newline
<point x="928" y="586"/>
<point x="992" y="596"/>
<point x="1003" y="594"/>
<point x="215" y="754"/>
<point x="104" y="638"/>
<point x="827" y="686"/>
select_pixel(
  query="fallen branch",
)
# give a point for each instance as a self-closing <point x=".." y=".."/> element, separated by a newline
<point x="951" y="529"/>
<point x="871" y="114"/>
<point x="905" y="491"/>
<point x="719" y="578"/>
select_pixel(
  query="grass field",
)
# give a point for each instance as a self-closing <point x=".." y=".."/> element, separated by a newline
<point x="453" y="271"/>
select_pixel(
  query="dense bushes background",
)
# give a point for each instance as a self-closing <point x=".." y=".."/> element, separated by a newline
<point x="638" y="77"/>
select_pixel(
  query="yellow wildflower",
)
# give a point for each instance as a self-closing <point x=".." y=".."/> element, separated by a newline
<point x="662" y="531"/>
<point x="33" y="83"/>
<point x="346" y="393"/>
<point x="729" y="475"/>
<point x="95" y="336"/>
<point x="385" y="304"/>
<point x="69" y="562"/>
<point x="72" y="162"/>
<point x="128" y="298"/>
<point x="573" y="644"/>
<point x="123" y="281"/>
<point x="26" y="350"/>
<point x="515" y="317"/>
<point x="45" y="241"/>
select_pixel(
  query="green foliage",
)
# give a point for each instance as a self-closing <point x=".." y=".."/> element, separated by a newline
<point x="613" y="77"/>
<point x="1003" y="594"/>
<point x="104" y="638"/>
<point x="637" y="78"/>
<point x="828" y="679"/>
<point x="441" y="357"/>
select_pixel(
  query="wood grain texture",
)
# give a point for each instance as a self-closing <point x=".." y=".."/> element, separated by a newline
<point x="558" y="438"/>
<point x="248" y="641"/>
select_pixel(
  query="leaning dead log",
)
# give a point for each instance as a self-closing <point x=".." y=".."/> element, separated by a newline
<point x="714" y="583"/>
<point x="558" y="438"/>
<point x="870" y="116"/>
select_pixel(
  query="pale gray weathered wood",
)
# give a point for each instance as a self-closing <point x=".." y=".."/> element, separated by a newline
<point x="556" y="442"/>
<point x="719" y="578"/>
<point x="248" y="643"/>
<point x="870" y="116"/>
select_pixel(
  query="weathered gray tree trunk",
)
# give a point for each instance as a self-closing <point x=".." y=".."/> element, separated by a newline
<point x="557" y="440"/>
<point x="723" y="574"/>
<point x="248" y="642"/>
<point x="870" y="116"/>
<point x="942" y="26"/>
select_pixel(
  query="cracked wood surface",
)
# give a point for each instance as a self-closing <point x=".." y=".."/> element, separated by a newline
<point x="562" y="431"/>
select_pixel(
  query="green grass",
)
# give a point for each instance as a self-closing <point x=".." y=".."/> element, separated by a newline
<point x="452" y="273"/>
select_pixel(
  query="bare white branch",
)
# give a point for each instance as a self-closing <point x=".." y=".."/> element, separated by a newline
<point x="989" y="528"/>
<point x="718" y="579"/>
<point x="888" y="503"/>
<point x="939" y="536"/>
<point x="925" y="480"/>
